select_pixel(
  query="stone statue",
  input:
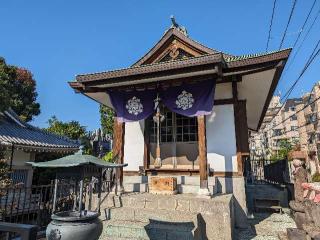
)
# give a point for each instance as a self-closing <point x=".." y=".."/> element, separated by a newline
<point x="300" y="176"/>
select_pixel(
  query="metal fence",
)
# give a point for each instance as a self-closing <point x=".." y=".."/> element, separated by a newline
<point x="255" y="170"/>
<point x="261" y="171"/>
<point x="34" y="205"/>
<point x="277" y="172"/>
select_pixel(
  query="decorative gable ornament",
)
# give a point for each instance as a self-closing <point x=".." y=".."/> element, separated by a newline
<point x="185" y="100"/>
<point x="134" y="106"/>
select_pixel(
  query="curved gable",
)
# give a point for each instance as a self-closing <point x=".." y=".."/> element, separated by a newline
<point x="172" y="46"/>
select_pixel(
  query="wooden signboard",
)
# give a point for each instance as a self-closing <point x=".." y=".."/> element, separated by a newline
<point x="163" y="185"/>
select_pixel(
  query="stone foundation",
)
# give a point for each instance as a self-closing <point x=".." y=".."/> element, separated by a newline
<point x="184" y="216"/>
<point x="235" y="186"/>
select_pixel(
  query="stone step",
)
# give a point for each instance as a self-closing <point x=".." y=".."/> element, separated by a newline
<point x="189" y="180"/>
<point x="155" y="230"/>
<point x="135" y="179"/>
<point x="144" y="215"/>
<point x="182" y="188"/>
<point x="135" y="187"/>
<point x="194" y="180"/>
<point x="187" y="188"/>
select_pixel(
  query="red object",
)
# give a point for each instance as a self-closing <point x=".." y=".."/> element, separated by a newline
<point x="317" y="198"/>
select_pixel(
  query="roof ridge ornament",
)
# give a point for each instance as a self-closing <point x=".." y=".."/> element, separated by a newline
<point x="174" y="24"/>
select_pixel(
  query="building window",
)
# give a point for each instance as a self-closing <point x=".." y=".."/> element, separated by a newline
<point x="174" y="127"/>
<point x="294" y="128"/>
<point x="311" y="139"/>
<point x="277" y="132"/>
<point x="187" y="129"/>
<point x="294" y="117"/>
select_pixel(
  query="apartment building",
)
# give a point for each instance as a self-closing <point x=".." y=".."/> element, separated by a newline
<point x="280" y="123"/>
<point x="309" y="130"/>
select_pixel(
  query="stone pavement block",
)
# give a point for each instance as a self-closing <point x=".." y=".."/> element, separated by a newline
<point x="145" y="215"/>
<point x="167" y="204"/>
<point x="133" y="202"/>
<point x="151" y="203"/>
<point x="121" y="214"/>
<point x="183" y="205"/>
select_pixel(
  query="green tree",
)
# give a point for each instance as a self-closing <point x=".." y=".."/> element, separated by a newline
<point x="106" y="118"/>
<point x="18" y="91"/>
<point x="285" y="147"/>
<point x="72" y="129"/>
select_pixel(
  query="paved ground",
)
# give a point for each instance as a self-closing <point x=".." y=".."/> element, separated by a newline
<point x="266" y="227"/>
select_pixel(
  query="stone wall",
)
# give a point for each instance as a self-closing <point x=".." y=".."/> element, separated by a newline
<point x="212" y="218"/>
<point x="235" y="186"/>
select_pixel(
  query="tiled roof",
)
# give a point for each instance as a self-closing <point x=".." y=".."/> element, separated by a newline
<point x="248" y="56"/>
<point x="232" y="61"/>
<point x="14" y="131"/>
<point x="154" y="67"/>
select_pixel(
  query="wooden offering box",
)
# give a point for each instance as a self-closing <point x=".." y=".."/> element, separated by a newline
<point x="163" y="185"/>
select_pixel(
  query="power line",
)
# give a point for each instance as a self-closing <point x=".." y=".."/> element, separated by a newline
<point x="310" y="60"/>
<point x="288" y="23"/>
<point x="271" y="22"/>
<point x="305" y="23"/>
<point x="303" y="40"/>
<point x="306" y="124"/>
<point x="307" y="105"/>
<point x="313" y="55"/>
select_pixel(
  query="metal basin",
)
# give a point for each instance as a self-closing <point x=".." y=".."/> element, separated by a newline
<point x="70" y="225"/>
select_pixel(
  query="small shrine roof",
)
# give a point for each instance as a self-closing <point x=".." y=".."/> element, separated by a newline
<point x="75" y="160"/>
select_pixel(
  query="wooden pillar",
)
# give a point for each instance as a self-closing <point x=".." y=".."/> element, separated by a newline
<point x="241" y="128"/>
<point x="146" y="151"/>
<point x="118" y="147"/>
<point x="202" y="145"/>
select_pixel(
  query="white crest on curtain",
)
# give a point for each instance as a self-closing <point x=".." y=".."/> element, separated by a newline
<point x="185" y="100"/>
<point x="134" y="106"/>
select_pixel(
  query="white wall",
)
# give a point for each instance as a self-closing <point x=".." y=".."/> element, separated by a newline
<point x="221" y="139"/>
<point x="223" y="91"/>
<point x="19" y="162"/>
<point x="133" y="145"/>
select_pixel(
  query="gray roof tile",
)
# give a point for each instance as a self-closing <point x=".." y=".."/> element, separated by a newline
<point x="13" y="130"/>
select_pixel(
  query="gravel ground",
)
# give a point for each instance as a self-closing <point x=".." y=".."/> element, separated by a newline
<point x="266" y="227"/>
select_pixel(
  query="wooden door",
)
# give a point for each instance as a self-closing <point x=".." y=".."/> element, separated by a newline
<point x="178" y="141"/>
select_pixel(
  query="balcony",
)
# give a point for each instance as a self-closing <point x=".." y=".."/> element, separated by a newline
<point x="307" y="111"/>
<point x="310" y="128"/>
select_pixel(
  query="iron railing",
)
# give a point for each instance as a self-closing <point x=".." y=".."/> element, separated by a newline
<point x="34" y="205"/>
<point x="277" y="172"/>
<point x="255" y="170"/>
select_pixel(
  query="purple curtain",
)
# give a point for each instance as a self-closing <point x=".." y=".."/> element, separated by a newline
<point x="133" y="105"/>
<point x="190" y="99"/>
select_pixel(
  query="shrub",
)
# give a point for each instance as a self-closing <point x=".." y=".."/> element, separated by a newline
<point x="108" y="157"/>
<point x="316" y="177"/>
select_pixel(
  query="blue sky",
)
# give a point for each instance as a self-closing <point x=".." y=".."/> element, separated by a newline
<point x="58" y="39"/>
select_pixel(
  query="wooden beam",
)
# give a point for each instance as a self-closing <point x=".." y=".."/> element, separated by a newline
<point x="202" y="152"/>
<point x="241" y="130"/>
<point x="118" y="146"/>
<point x="235" y="90"/>
<point x="223" y="101"/>
<point x="146" y="151"/>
